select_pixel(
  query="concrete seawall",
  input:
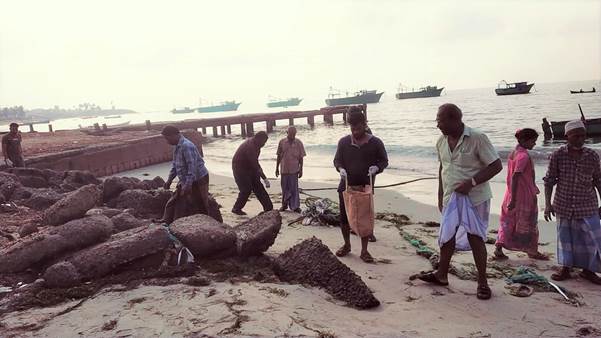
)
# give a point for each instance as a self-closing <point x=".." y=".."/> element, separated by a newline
<point x="104" y="160"/>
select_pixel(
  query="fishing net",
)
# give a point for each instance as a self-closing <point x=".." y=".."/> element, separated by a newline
<point x="320" y="211"/>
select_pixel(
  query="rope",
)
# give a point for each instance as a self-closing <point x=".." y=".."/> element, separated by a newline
<point x="377" y="186"/>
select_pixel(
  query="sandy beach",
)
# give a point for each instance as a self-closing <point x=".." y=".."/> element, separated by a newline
<point x="239" y="307"/>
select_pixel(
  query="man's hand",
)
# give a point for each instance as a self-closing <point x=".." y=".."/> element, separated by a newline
<point x="167" y="185"/>
<point x="266" y="182"/>
<point x="343" y="173"/>
<point x="465" y="187"/>
<point x="277" y="172"/>
<point x="511" y="204"/>
<point x="372" y="170"/>
<point x="300" y="173"/>
<point x="549" y="211"/>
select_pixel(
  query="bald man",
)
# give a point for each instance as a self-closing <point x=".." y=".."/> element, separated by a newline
<point x="290" y="155"/>
<point x="467" y="162"/>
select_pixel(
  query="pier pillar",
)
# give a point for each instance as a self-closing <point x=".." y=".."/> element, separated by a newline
<point x="96" y="126"/>
<point x="222" y="131"/>
<point x="243" y="129"/>
<point x="204" y="130"/>
<point x="269" y="125"/>
<point x="148" y="125"/>
<point x="365" y="110"/>
<point x="104" y="127"/>
<point x="291" y="121"/>
<point x="328" y="119"/>
<point x="229" y="129"/>
<point x="274" y="124"/>
<point x="250" y="129"/>
<point x="311" y="121"/>
<point x="50" y="128"/>
<point x="31" y="128"/>
<point x="215" y="134"/>
<point x="345" y="115"/>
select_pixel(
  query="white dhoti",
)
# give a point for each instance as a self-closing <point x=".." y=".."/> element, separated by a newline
<point x="459" y="218"/>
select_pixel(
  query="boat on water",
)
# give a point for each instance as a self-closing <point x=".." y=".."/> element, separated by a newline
<point x="290" y="102"/>
<point x="113" y="117"/>
<point x="184" y="110"/>
<point x="555" y="130"/>
<point x="428" y="91"/>
<point x="514" y="88"/>
<point x="583" y="91"/>
<point x="224" y="106"/>
<point x="360" y="97"/>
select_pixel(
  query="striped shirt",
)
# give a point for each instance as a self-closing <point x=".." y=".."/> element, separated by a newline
<point x="188" y="165"/>
<point x="576" y="179"/>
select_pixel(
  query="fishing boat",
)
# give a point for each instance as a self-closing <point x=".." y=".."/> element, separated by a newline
<point x="185" y="110"/>
<point x="515" y="88"/>
<point x="428" y="91"/>
<point x="224" y="106"/>
<point x="360" y="97"/>
<point x="583" y="91"/>
<point x="556" y="129"/>
<point x="113" y="117"/>
<point x="290" y="102"/>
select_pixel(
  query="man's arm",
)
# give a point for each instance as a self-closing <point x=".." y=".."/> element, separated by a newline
<point x="550" y="180"/>
<point x="191" y="157"/>
<point x="278" y="159"/>
<point x="382" y="157"/>
<point x="440" y="188"/>
<point x="338" y="158"/>
<point x="482" y="176"/>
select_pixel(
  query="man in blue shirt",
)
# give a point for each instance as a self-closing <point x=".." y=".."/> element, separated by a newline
<point x="192" y="193"/>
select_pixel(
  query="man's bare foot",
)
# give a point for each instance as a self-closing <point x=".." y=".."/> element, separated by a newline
<point x="562" y="274"/>
<point x="591" y="276"/>
<point x="366" y="257"/>
<point x="538" y="255"/>
<point x="343" y="251"/>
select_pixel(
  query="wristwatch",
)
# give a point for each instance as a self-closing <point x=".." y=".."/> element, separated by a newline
<point x="474" y="183"/>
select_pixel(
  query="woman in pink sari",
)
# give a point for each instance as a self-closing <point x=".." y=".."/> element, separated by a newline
<point x="518" y="230"/>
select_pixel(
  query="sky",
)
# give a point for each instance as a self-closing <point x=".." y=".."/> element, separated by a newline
<point x="155" y="55"/>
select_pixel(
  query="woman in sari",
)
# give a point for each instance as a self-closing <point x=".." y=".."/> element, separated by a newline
<point x="518" y="230"/>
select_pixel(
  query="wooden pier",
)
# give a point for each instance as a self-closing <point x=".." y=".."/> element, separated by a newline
<point x="221" y="126"/>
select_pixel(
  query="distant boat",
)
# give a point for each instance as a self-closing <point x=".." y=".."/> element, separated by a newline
<point x="224" y="106"/>
<point x="290" y="102"/>
<point x="583" y="91"/>
<point x="88" y="117"/>
<point x="505" y="88"/>
<point x="428" y="91"/>
<point x="184" y="110"/>
<point x="113" y="117"/>
<point x="360" y="97"/>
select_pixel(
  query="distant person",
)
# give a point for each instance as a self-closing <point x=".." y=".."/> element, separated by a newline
<point x="575" y="170"/>
<point x="192" y="193"/>
<point x="358" y="156"/>
<point x="248" y="173"/>
<point x="518" y="228"/>
<point x="467" y="162"/>
<point x="290" y="155"/>
<point x="11" y="147"/>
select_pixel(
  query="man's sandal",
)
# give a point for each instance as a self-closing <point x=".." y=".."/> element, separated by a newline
<point x="345" y="250"/>
<point x="483" y="292"/>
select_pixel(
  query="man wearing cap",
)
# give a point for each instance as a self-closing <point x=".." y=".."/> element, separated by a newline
<point x="11" y="147"/>
<point x="248" y="173"/>
<point x="575" y="170"/>
<point x="192" y="193"/>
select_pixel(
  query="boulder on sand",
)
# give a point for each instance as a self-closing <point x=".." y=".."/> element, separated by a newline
<point x="8" y="184"/>
<point x="72" y="206"/>
<point x="145" y="203"/>
<point x="311" y="262"/>
<point x="257" y="234"/>
<point x="214" y="209"/>
<point x="113" y="186"/>
<point x="51" y="242"/>
<point x="101" y="259"/>
<point x="125" y="221"/>
<point x="80" y="178"/>
<point x="106" y="211"/>
<point x="204" y="236"/>
<point x="40" y="199"/>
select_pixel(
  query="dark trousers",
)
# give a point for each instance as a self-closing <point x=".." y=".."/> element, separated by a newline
<point x="250" y="183"/>
<point x="195" y="202"/>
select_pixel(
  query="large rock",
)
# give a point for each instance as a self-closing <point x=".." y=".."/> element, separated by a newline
<point x="125" y="221"/>
<point x="311" y="262"/>
<point x="54" y="241"/>
<point x="75" y="179"/>
<point x="106" y="211"/>
<point x="204" y="236"/>
<point x="41" y="199"/>
<point x="8" y="184"/>
<point x="214" y="209"/>
<point x="258" y="234"/>
<point x="113" y="186"/>
<point x="145" y="203"/>
<point x="72" y="206"/>
<point x="101" y="259"/>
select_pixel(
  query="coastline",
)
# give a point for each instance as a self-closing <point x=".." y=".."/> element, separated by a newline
<point x="408" y="308"/>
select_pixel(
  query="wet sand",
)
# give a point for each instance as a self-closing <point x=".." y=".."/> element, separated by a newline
<point x="245" y="307"/>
